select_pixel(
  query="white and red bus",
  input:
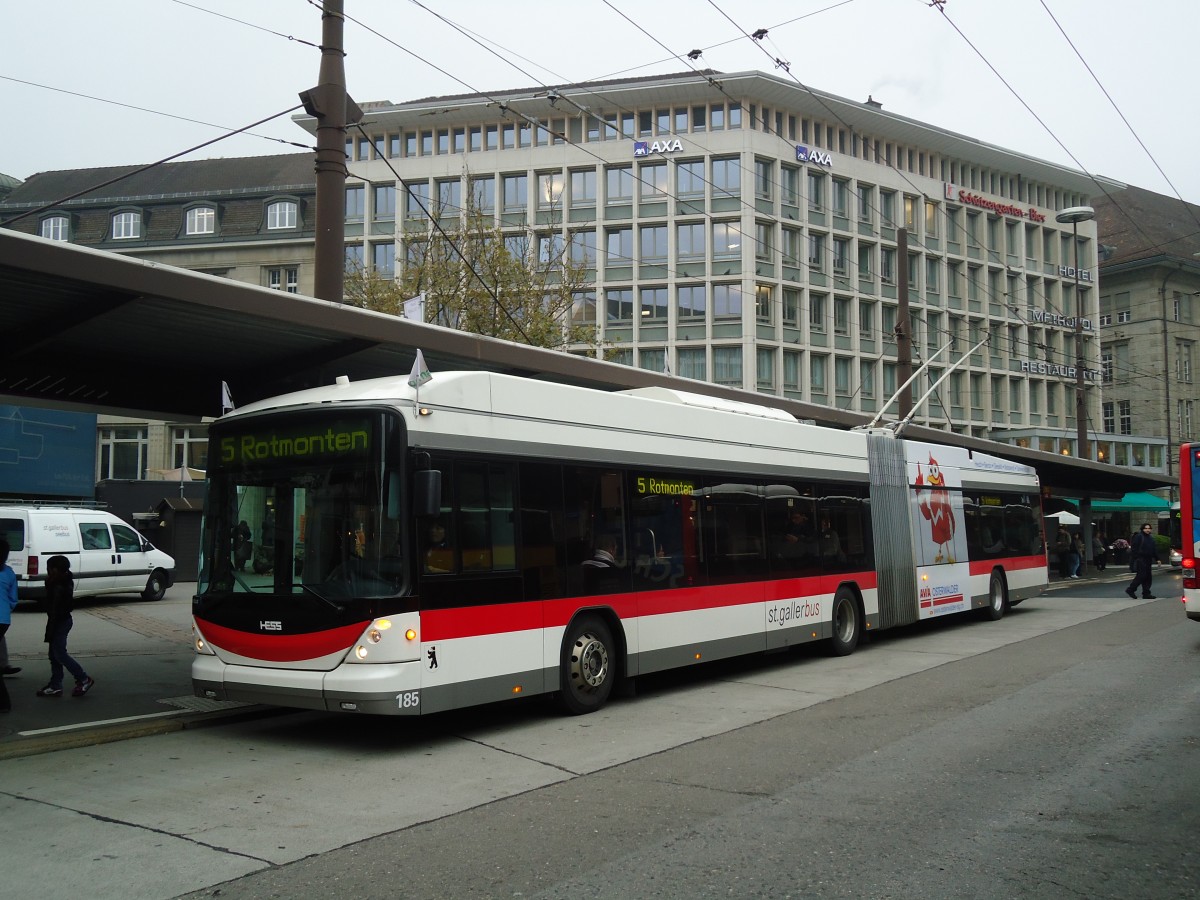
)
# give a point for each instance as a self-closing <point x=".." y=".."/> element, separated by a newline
<point x="492" y="537"/>
<point x="1189" y="528"/>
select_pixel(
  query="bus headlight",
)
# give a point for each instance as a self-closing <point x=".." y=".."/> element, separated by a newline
<point x="199" y="644"/>
<point x="360" y="651"/>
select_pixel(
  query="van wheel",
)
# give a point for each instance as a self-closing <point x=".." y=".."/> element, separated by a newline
<point x="156" y="586"/>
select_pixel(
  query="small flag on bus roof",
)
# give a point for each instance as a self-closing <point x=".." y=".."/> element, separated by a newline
<point x="226" y="398"/>
<point x="420" y="372"/>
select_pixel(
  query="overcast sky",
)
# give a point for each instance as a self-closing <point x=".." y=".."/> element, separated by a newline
<point x="1009" y="72"/>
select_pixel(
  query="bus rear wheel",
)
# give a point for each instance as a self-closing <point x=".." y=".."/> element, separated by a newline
<point x="847" y="623"/>
<point x="588" y="666"/>
<point x="997" y="599"/>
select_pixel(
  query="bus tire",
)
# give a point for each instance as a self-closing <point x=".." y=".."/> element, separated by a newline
<point x="997" y="604"/>
<point x="588" y="666"/>
<point x="847" y="623"/>
<point x="156" y="586"/>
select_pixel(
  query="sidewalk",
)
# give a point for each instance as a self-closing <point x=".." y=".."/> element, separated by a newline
<point x="140" y="655"/>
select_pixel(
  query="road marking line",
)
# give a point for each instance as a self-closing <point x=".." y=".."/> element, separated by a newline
<point x="76" y="727"/>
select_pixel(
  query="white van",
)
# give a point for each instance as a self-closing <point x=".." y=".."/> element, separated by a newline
<point x="107" y="556"/>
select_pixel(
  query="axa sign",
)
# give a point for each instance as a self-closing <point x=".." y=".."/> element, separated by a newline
<point x="648" y="148"/>
<point x="814" y="156"/>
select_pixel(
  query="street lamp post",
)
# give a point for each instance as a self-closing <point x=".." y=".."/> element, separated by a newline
<point x="1075" y="215"/>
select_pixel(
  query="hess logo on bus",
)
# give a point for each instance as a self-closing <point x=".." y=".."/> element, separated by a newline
<point x="270" y="625"/>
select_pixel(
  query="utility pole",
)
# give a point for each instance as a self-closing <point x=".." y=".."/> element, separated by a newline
<point x="334" y="110"/>
<point x="903" y="326"/>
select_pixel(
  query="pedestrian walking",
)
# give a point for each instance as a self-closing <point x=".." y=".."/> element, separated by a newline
<point x="1099" y="551"/>
<point x="1144" y="553"/>
<point x="1077" y="555"/>
<point x="8" y="602"/>
<point x="60" y="593"/>
<point x="5" y="667"/>
<point x="1062" y="549"/>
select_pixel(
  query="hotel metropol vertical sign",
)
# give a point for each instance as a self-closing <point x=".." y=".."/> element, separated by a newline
<point x="1043" y="317"/>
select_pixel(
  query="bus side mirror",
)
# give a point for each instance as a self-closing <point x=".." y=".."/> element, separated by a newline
<point x="427" y="492"/>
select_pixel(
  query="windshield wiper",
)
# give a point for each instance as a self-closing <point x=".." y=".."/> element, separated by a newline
<point x="332" y="604"/>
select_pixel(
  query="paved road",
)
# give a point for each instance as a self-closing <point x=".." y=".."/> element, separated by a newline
<point x="514" y="799"/>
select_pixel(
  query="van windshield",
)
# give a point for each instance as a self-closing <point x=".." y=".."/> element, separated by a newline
<point x="13" y="531"/>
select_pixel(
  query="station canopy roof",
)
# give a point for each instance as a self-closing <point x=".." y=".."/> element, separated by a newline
<point x="91" y="330"/>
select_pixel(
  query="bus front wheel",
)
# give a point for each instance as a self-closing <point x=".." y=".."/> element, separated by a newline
<point x="847" y="623"/>
<point x="588" y="666"/>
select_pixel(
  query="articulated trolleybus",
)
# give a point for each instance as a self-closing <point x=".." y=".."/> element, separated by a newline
<point x="374" y="547"/>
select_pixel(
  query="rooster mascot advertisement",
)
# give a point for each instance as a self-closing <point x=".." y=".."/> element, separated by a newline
<point x="933" y="500"/>
<point x="939" y="535"/>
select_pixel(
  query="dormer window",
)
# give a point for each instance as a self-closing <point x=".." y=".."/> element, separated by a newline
<point x="281" y="214"/>
<point x="201" y="220"/>
<point x="126" y="226"/>
<point x="55" y="228"/>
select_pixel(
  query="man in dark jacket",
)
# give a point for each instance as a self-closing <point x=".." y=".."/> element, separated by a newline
<point x="1143" y="552"/>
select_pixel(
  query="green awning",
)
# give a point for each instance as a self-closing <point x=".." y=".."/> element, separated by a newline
<point x="1133" y="501"/>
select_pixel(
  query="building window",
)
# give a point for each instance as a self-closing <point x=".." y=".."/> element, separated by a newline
<point x="189" y="447"/>
<point x="123" y="453"/>
<point x="1106" y="366"/>
<point x="652" y="359"/>
<point x="763" y="180"/>
<point x="841" y="253"/>
<point x="689" y="241"/>
<point x="54" y="228"/>
<point x="383" y="258"/>
<point x="1184" y="420"/>
<point x="1183" y="361"/>
<point x="840" y="200"/>
<point x="817" y="364"/>
<point x="549" y="190"/>
<point x="791" y="306"/>
<point x="355" y="260"/>
<point x="727" y="366"/>
<point x="765" y="368"/>
<point x="201" y="220"/>
<point x="652" y="180"/>
<point x="618" y="304"/>
<point x="887" y="208"/>
<point x="356" y="199"/>
<point x="483" y="194"/>
<point x="692" y="301"/>
<point x="727" y="240"/>
<point x="887" y="265"/>
<point x="1108" y="415"/>
<point x="281" y="214"/>
<point x="866" y="319"/>
<point x="866" y="378"/>
<point x="727" y="176"/>
<point x="620" y="185"/>
<point x="841" y="315"/>
<point x="816" y="191"/>
<point x="762" y="241"/>
<point x="690" y="178"/>
<point x="284" y="278"/>
<point x="583" y="188"/>
<point x="516" y="193"/>
<point x="816" y="252"/>
<point x="416" y="200"/>
<point x="691" y="364"/>
<point x="791" y="370"/>
<point x="727" y="300"/>
<point x="449" y="193"/>
<point x="126" y="226"/>
<point x="654" y="303"/>
<point x="789" y="185"/>
<point x="384" y="202"/>
<point x="1125" y="412"/>
<point x="816" y="312"/>
<point x="620" y="247"/>
<point x="764" y="302"/>
<point x="654" y="243"/>
<point x="583" y="248"/>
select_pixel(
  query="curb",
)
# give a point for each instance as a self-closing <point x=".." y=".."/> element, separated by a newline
<point x="87" y="736"/>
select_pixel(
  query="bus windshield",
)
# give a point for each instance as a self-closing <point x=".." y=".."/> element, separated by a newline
<point x="303" y="505"/>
